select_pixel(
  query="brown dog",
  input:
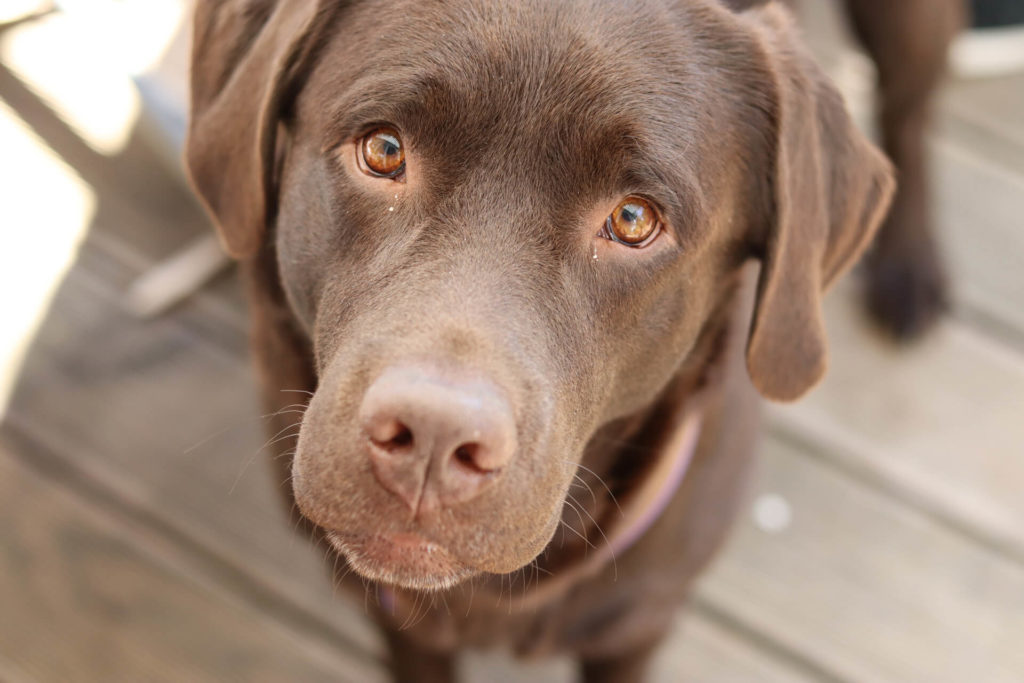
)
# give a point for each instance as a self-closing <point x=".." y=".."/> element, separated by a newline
<point x="505" y="247"/>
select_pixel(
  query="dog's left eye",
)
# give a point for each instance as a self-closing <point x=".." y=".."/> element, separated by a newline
<point x="634" y="222"/>
<point x="382" y="153"/>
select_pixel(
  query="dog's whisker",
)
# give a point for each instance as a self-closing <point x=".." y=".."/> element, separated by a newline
<point x="405" y="622"/>
<point x="472" y="595"/>
<point x="427" y="609"/>
<point x="290" y="453"/>
<point x="334" y="577"/>
<point x="611" y="548"/>
<point x="581" y="536"/>
<point x="242" y="472"/>
<point x="410" y="620"/>
<point x="284" y="410"/>
<point x="425" y="604"/>
<point x="578" y="480"/>
<point x="572" y="503"/>
<point x="298" y="518"/>
<point x="270" y="442"/>
<point x="366" y="596"/>
<point x="600" y="481"/>
<point x="298" y="405"/>
<point x="281" y="438"/>
<point x="219" y="432"/>
<point x="238" y="424"/>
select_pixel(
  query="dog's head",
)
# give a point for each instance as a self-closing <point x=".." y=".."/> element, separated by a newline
<point x="505" y="224"/>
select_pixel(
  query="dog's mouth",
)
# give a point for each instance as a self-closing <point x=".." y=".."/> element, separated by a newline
<point x="404" y="560"/>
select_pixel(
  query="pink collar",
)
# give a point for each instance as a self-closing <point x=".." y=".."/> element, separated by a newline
<point x="644" y="506"/>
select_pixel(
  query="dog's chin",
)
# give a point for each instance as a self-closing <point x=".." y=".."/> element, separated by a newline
<point x="403" y="560"/>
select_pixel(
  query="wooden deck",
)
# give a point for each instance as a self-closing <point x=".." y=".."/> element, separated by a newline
<point x="141" y="539"/>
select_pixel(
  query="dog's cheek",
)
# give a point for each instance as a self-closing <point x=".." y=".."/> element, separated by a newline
<point x="331" y="474"/>
<point x="305" y="223"/>
<point x="645" y="340"/>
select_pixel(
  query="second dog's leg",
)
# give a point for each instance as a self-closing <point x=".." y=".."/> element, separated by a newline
<point x="628" y="668"/>
<point x="411" y="663"/>
<point x="909" y="41"/>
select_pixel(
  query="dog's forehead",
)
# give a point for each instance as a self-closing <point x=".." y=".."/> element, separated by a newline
<point x="509" y="67"/>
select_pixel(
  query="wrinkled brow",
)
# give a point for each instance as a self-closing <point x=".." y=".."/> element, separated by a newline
<point x="391" y="98"/>
<point x="673" y="187"/>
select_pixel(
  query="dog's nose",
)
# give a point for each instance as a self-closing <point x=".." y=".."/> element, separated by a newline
<point x="435" y="440"/>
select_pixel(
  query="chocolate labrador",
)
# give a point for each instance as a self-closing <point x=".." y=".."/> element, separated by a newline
<point x="529" y="260"/>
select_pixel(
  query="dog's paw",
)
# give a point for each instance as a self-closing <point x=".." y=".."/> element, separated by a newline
<point x="906" y="294"/>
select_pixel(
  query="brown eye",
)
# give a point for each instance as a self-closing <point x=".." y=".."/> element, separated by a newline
<point x="383" y="153"/>
<point x="633" y="222"/>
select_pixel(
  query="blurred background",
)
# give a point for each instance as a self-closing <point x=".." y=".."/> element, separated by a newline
<point x="141" y="538"/>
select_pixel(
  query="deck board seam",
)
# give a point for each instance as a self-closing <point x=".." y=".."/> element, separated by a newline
<point x="845" y="460"/>
<point x="797" y="660"/>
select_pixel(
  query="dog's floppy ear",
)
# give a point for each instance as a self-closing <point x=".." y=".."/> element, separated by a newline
<point x="831" y="190"/>
<point x="245" y="55"/>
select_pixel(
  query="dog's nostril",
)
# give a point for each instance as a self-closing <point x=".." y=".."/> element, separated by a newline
<point x="393" y="436"/>
<point x="402" y="439"/>
<point x="468" y="455"/>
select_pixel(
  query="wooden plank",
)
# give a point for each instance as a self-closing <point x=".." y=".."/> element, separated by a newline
<point x="11" y="674"/>
<point x="167" y="421"/>
<point x="987" y="139"/>
<point x="940" y="422"/>
<point x="697" y="650"/>
<point x="86" y="598"/>
<point x="980" y="216"/>
<point x="702" y="650"/>
<point x="868" y="588"/>
<point x="994" y="104"/>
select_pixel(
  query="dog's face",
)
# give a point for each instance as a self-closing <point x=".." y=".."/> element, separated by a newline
<point x="503" y="225"/>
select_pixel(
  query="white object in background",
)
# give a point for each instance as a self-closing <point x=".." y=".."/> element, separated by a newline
<point x="16" y="10"/>
<point x="80" y="61"/>
<point x="988" y="52"/>
<point x="176" y="277"/>
<point x="772" y="513"/>
<point x="47" y="209"/>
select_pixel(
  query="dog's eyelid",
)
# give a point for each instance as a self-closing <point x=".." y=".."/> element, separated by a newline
<point x="350" y="126"/>
<point x="677" y="195"/>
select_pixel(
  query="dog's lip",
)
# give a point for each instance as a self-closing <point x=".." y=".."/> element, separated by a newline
<point x="404" y="559"/>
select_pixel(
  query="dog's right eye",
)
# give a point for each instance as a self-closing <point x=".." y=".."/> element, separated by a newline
<point x="382" y="153"/>
<point x="634" y="222"/>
